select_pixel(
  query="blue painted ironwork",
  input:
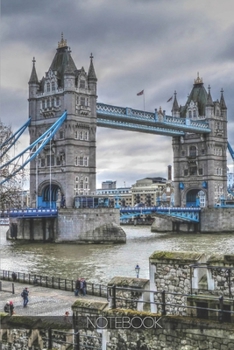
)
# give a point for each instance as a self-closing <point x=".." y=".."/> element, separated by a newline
<point x="184" y="214"/>
<point x="147" y="122"/>
<point x="34" y="149"/>
<point x="13" y="138"/>
<point x="33" y="213"/>
<point x="230" y="150"/>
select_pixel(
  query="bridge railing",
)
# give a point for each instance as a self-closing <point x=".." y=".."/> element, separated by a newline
<point x="32" y="212"/>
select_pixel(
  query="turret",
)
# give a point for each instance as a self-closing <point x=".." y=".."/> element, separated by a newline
<point x="33" y="88"/>
<point x="209" y="105"/>
<point x="92" y="79"/>
<point x="223" y="106"/>
<point x="175" y="108"/>
<point x="92" y="83"/>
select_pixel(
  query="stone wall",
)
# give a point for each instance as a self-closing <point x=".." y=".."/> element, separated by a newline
<point x="130" y="293"/>
<point x="212" y="220"/>
<point x="72" y="225"/>
<point x="205" y="279"/>
<point x="170" y="272"/>
<point x="90" y="226"/>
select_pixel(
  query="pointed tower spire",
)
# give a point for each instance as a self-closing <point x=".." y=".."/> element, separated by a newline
<point x="209" y="101"/>
<point x="222" y="101"/>
<point x="33" y="78"/>
<point x="91" y="73"/>
<point x="175" y="106"/>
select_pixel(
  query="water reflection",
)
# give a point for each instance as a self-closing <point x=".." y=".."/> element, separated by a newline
<point x="101" y="262"/>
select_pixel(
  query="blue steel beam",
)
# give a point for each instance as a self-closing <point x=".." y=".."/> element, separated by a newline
<point x="34" y="149"/>
<point x="184" y="214"/>
<point x="230" y="150"/>
<point x="154" y="123"/>
<point x="13" y="138"/>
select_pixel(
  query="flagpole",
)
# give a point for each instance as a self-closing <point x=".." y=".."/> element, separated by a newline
<point x="144" y="100"/>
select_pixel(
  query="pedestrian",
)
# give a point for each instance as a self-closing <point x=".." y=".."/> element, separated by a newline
<point x="77" y="290"/>
<point x="66" y="317"/>
<point x="14" y="276"/>
<point x="11" y="308"/>
<point x="7" y="307"/>
<point x="84" y="286"/>
<point x="24" y="295"/>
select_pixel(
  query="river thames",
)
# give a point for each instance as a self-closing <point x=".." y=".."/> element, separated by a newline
<point x="99" y="263"/>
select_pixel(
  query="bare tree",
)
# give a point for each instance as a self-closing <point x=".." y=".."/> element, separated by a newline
<point x="11" y="190"/>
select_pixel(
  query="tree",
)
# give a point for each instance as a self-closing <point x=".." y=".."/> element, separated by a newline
<point x="11" y="190"/>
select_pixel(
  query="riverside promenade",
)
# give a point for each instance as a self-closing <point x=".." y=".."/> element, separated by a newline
<point x="42" y="301"/>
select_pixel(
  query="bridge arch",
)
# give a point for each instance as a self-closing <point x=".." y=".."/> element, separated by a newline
<point x="196" y="197"/>
<point x="50" y="195"/>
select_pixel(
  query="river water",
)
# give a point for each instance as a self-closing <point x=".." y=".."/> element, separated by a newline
<point x="99" y="263"/>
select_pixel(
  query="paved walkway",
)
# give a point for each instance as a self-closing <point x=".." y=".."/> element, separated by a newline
<point x="42" y="301"/>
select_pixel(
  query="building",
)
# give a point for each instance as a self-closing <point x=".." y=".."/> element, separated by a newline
<point x="118" y="196"/>
<point x="71" y="155"/>
<point x="200" y="161"/>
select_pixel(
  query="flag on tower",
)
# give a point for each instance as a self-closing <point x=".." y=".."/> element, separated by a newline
<point x="140" y="93"/>
<point x="170" y="99"/>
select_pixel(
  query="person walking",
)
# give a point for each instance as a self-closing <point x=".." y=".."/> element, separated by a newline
<point x="7" y="307"/>
<point x="11" y="308"/>
<point x="24" y="295"/>
<point x="84" y="286"/>
<point x="14" y="276"/>
<point x="77" y="290"/>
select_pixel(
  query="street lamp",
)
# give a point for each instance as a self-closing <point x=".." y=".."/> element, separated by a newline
<point x="137" y="269"/>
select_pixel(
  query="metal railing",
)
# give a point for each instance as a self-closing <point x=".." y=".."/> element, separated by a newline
<point x="53" y="282"/>
<point x="164" y="307"/>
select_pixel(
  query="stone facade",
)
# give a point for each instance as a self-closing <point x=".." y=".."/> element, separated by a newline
<point x="200" y="162"/>
<point x="71" y="155"/>
<point x="71" y="225"/>
<point x="212" y="220"/>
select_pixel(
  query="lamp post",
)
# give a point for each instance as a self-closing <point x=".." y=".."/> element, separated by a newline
<point x="137" y="269"/>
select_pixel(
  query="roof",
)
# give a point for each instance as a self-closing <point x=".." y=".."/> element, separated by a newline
<point x="198" y="95"/>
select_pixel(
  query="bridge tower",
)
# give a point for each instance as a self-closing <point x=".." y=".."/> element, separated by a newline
<point x="200" y="161"/>
<point x="67" y="165"/>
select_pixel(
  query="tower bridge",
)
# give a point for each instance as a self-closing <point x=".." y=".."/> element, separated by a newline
<point x="66" y="166"/>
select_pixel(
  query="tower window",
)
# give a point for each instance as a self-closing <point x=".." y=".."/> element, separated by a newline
<point x="200" y="171"/>
<point x="61" y="134"/>
<point x="53" y="86"/>
<point x="192" y="151"/>
<point x="57" y="101"/>
<point x="50" y="160"/>
<point x="193" y="170"/>
<point x="185" y="172"/>
<point x="48" y="87"/>
<point x="82" y="84"/>
<point x="82" y="101"/>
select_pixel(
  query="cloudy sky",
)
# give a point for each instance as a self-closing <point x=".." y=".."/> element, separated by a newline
<point x="155" y="45"/>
